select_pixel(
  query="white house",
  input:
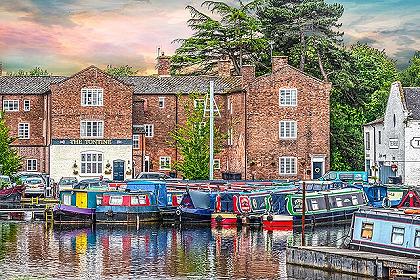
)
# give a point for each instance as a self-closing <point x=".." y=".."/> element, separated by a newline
<point x="392" y="143"/>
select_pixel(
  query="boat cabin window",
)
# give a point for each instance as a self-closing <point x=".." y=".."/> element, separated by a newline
<point x="339" y="201"/>
<point x="138" y="200"/>
<point x="397" y="236"/>
<point x="354" y="200"/>
<point x="314" y="204"/>
<point x="367" y="231"/>
<point x="115" y="200"/>
<point x="67" y="199"/>
<point x="98" y="200"/>
<point x="417" y="239"/>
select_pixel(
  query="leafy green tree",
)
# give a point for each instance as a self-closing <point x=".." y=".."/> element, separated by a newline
<point x="192" y="139"/>
<point x="37" y="71"/>
<point x="410" y="77"/>
<point x="121" y="71"/>
<point x="233" y="32"/>
<point x="9" y="159"/>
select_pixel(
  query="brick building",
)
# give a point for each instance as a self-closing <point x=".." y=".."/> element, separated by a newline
<point x="93" y="124"/>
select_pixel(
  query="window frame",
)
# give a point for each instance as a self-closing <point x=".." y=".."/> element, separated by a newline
<point x="146" y="131"/>
<point x="28" y="163"/>
<point x="216" y="166"/>
<point x="367" y="140"/>
<point x="8" y="101"/>
<point x="99" y="96"/>
<point x="417" y="237"/>
<point x="363" y="228"/>
<point x="230" y="136"/>
<point x="118" y="199"/>
<point x="398" y="235"/>
<point x="26" y="109"/>
<point x="290" y="104"/>
<point x="161" y="102"/>
<point x="23" y="137"/>
<point x="161" y="167"/>
<point x="84" y="163"/>
<point x="197" y="101"/>
<point x="84" y="130"/>
<point x="293" y="171"/>
<point x="136" y="139"/>
<point x="285" y="123"/>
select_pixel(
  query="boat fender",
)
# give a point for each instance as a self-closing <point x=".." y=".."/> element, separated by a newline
<point x="219" y="218"/>
<point x="178" y="212"/>
<point x="110" y="213"/>
<point x="269" y="218"/>
<point x="386" y="203"/>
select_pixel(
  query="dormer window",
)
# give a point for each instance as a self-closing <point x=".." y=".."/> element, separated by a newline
<point x="92" y="97"/>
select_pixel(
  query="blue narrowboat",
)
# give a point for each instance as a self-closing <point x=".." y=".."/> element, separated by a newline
<point x="387" y="231"/>
<point x="140" y="202"/>
<point x="197" y="206"/>
<point x="376" y="195"/>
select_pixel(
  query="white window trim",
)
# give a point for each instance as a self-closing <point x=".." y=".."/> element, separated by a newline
<point x="216" y="164"/>
<point x="29" y="131"/>
<point x="138" y="141"/>
<point x="288" y="105"/>
<point x="27" y="164"/>
<point x="100" y="92"/>
<point x="287" y="137"/>
<point x="24" y="107"/>
<point x="230" y="136"/>
<point x="152" y="130"/>
<point x="8" y="101"/>
<point x="199" y="100"/>
<point x="160" y="163"/>
<point x="284" y="173"/>
<point x="87" y="136"/>
<point x="161" y="99"/>
<point x="81" y="163"/>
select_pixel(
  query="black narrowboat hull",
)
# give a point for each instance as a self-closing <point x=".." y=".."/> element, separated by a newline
<point x="324" y="218"/>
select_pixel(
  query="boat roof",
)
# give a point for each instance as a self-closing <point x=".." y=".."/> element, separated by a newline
<point x="394" y="212"/>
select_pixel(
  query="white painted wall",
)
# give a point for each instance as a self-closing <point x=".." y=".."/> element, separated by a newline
<point x="412" y="154"/>
<point x="62" y="159"/>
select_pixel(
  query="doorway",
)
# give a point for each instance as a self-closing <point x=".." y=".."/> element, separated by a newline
<point x="118" y="167"/>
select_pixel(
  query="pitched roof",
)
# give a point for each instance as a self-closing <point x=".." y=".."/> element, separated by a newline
<point x="27" y="85"/>
<point x="412" y="100"/>
<point x="142" y="84"/>
<point x="380" y="120"/>
<point x="181" y="84"/>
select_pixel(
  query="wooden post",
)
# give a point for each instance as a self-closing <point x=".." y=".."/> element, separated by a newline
<point x="303" y="211"/>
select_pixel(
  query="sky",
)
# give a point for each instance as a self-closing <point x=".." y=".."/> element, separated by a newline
<point x="64" y="36"/>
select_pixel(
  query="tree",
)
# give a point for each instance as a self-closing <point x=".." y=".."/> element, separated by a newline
<point x="192" y="139"/>
<point x="9" y="159"/>
<point x="235" y="35"/>
<point x="410" y="77"/>
<point x="37" y="71"/>
<point x="121" y="71"/>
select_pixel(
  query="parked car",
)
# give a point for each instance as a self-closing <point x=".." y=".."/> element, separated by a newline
<point x="66" y="183"/>
<point x="91" y="183"/>
<point x="155" y="176"/>
<point x="34" y="186"/>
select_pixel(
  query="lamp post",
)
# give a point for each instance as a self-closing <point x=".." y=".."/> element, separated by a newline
<point x="211" y="130"/>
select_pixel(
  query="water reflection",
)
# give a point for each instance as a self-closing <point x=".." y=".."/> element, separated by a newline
<point x="153" y="252"/>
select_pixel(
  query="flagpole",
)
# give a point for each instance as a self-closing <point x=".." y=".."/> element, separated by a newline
<point x="211" y="129"/>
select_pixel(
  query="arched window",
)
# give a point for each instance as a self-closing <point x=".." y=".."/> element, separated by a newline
<point x="92" y="96"/>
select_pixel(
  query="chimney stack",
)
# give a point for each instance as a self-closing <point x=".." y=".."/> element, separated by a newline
<point x="248" y="73"/>
<point x="278" y="62"/>
<point x="1" y="69"/>
<point x="223" y="67"/>
<point x="164" y="65"/>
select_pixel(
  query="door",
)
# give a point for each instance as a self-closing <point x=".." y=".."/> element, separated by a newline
<point x="118" y="167"/>
<point x="146" y="164"/>
<point x="81" y="199"/>
<point x="385" y="172"/>
<point x="317" y="170"/>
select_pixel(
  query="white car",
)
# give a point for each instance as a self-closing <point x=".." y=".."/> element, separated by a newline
<point x="34" y="186"/>
<point x="155" y="176"/>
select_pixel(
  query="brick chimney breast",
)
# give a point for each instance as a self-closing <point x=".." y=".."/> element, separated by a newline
<point x="248" y="73"/>
<point x="164" y="65"/>
<point x="278" y="62"/>
<point x="223" y="67"/>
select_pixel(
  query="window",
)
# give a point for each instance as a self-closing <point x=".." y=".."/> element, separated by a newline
<point x="367" y="231"/>
<point x="31" y="165"/>
<point x="115" y="200"/>
<point x="367" y="139"/>
<point x="379" y="137"/>
<point x="216" y="163"/>
<point x="161" y="102"/>
<point x="230" y="105"/>
<point x="138" y="200"/>
<point x="288" y="130"/>
<point x="91" y="129"/>
<point x="314" y="204"/>
<point x="91" y="163"/>
<point x="397" y="236"/>
<point x="199" y="103"/>
<point x="230" y="136"/>
<point x="339" y="202"/>
<point x="417" y="239"/>
<point x="148" y="129"/>
<point x="354" y="200"/>
<point x="165" y="163"/>
<point x="394" y="143"/>
<point x="288" y="97"/>
<point x="136" y="141"/>
<point x="23" y="131"/>
<point x="287" y="166"/>
<point x="92" y="97"/>
<point x="26" y="105"/>
<point x="67" y="199"/>
<point x="11" y="105"/>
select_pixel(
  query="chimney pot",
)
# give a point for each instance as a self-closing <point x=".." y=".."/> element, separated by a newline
<point x="278" y="62"/>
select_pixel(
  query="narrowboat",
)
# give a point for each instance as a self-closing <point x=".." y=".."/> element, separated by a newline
<point x="325" y="206"/>
<point x="140" y="202"/>
<point x="224" y="214"/>
<point x="396" y="194"/>
<point x="376" y="195"/>
<point x="277" y="217"/>
<point x="11" y="194"/>
<point x="174" y="198"/>
<point x="387" y="231"/>
<point x="315" y="186"/>
<point x="77" y="205"/>
<point x="411" y="199"/>
<point x="196" y="206"/>
<point x="251" y="206"/>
